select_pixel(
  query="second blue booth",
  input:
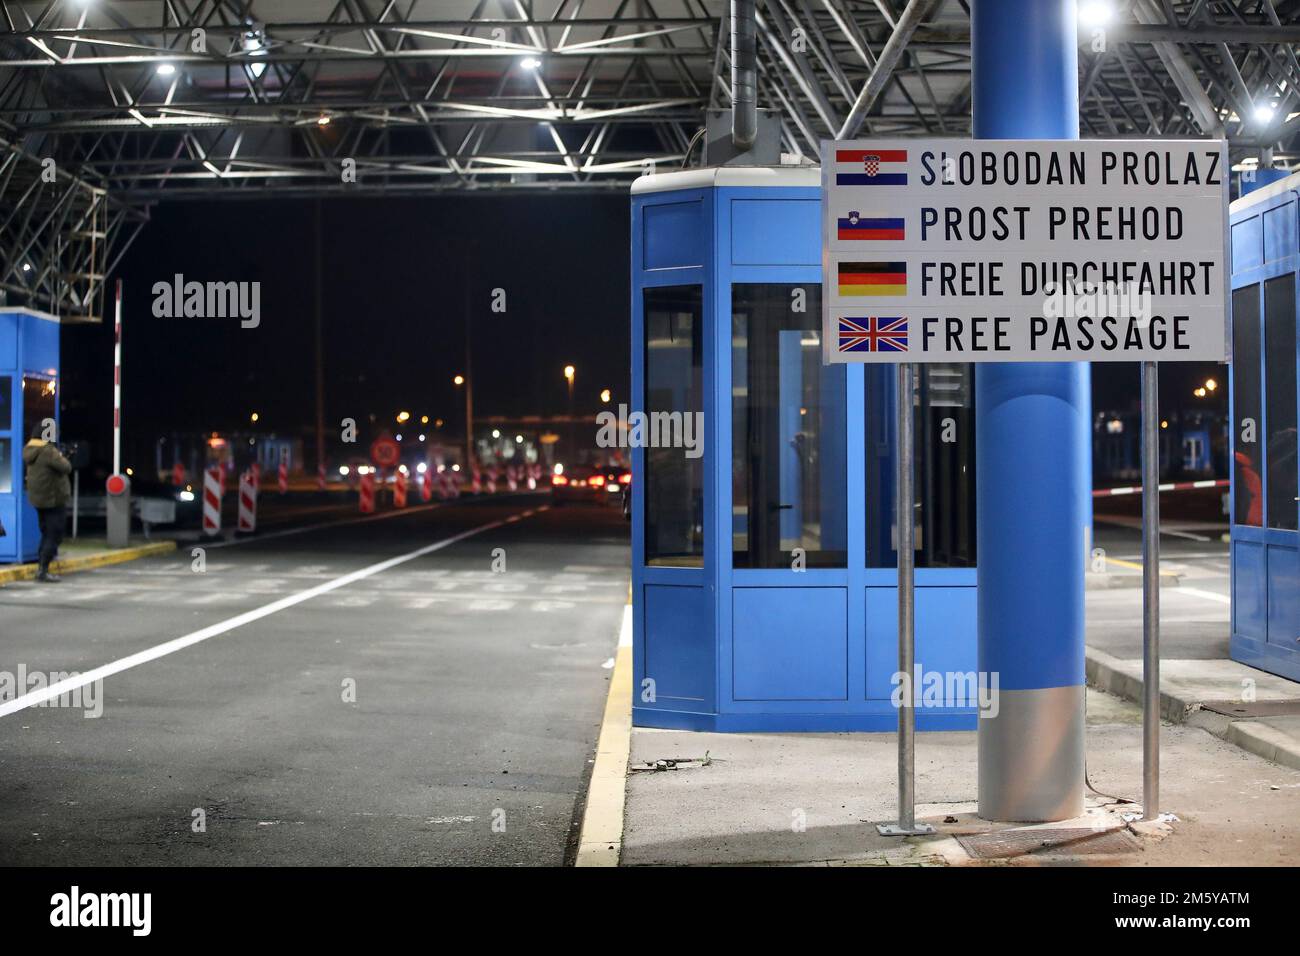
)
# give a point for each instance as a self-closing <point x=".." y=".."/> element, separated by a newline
<point x="764" y="571"/>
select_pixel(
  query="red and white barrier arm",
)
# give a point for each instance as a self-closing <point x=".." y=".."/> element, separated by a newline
<point x="1168" y="486"/>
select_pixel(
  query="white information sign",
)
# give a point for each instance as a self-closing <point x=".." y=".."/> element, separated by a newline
<point x="953" y="250"/>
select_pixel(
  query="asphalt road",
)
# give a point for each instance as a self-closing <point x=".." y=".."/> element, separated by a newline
<point x="431" y="710"/>
<point x="1194" y="616"/>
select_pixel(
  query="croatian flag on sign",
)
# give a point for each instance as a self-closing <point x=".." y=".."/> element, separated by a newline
<point x="871" y="167"/>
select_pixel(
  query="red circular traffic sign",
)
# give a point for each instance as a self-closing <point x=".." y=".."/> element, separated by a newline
<point x="385" y="452"/>
<point x="116" y="485"/>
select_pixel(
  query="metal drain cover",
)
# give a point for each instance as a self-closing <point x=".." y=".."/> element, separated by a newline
<point x="1003" y="844"/>
<point x="1258" y="708"/>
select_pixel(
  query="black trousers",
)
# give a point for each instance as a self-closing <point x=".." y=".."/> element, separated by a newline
<point x="52" y="522"/>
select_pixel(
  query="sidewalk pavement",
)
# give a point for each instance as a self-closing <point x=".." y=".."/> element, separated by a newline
<point x="85" y="554"/>
<point x="814" y="799"/>
<point x="1230" y="767"/>
<point x="1199" y="684"/>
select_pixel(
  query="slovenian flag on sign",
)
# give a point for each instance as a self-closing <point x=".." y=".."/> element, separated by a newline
<point x="871" y="167"/>
<point x="867" y="228"/>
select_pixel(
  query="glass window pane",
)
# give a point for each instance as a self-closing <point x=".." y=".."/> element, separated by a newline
<point x="674" y="403"/>
<point x="1280" y="414"/>
<point x="6" y="467"/>
<point x="38" y="403"/>
<point x="788" y="431"/>
<point x="6" y="403"/>
<point x="943" y="406"/>
<point x="1247" y="483"/>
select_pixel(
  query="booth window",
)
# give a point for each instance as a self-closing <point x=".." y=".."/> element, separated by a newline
<point x="674" y="405"/>
<point x="38" y="403"/>
<point x="1247" y="483"/>
<point x="1280" y="395"/>
<point x="943" y="407"/>
<point x="788" y="433"/>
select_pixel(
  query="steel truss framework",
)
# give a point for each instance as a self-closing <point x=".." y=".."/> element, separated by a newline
<point x="153" y="99"/>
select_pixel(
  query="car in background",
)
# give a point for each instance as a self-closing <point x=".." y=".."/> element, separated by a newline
<point x="153" y="502"/>
<point x="586" y="483"/>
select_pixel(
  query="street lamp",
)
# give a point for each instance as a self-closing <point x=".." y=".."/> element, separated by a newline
<point x="605" y="395"/>
<point x="569" y="372"/>
<point x="254" y="417"/>
<point x="459" y="380"/>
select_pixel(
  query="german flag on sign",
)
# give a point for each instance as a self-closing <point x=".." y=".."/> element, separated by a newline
<point x="872" y="278"/>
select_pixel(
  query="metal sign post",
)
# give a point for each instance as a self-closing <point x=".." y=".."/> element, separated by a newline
<point x="1150" y="591"/>
<point x="904" y="519"/>
<point x="1000" y="251"/>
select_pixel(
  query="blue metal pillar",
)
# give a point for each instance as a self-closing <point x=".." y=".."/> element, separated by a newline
<point x="1033" y="465"/>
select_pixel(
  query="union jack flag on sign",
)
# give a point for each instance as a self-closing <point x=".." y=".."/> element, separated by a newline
<point x="873" y="334"/>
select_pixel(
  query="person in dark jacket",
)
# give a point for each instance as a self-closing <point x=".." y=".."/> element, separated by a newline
<point x="48" y="491"/>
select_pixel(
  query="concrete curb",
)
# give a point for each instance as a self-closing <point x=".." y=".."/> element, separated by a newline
<point x="26" y="572"/>
<point x="600" y="842"/>
<point x="1106" y="673"/>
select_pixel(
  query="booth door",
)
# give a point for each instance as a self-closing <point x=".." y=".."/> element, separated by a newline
<point x="1265" y="510"/>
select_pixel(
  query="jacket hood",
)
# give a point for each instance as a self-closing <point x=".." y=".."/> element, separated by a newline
<point x="32" y="449"/>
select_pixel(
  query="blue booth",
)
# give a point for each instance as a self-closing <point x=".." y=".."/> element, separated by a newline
<point x="1265" y="529"/>
<point x="763" y="567"/>
<point x="29" y="374"/>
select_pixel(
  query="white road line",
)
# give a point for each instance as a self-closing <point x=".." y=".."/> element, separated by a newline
<point x="58" y="688"/>
<point x="1208" y="595"/>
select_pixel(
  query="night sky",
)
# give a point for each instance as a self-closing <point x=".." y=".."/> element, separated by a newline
<point x="395" y="275"/>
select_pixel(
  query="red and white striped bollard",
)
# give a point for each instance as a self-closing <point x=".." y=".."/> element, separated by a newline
<point x="247" y="503"/>
<point x="212" y="492"/>
<point x="368" y="493"/>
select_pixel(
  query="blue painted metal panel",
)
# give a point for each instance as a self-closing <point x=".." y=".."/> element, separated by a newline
<point x="1030" y="547"/>
<point x="40" y="345"/>
<point x="9" y="543"/>
<point x="782" y="232"/>
<point x="8" y="341"/>
<point x="945" y="634"/>
<point x="790" y="644"/>
<point x="675" y="235"/>
<point x="1247" y="243"/>
<point x="1032" y="508"/>
<point x="680" y="657"/>
<point x="1249" y="603"/>
<point x="1280" y="232"/>
<point x="1283" y="564"/>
